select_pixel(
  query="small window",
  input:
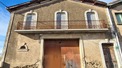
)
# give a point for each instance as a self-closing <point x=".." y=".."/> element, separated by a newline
<point x="119" y="18"/>
<point x="22" y="47"/>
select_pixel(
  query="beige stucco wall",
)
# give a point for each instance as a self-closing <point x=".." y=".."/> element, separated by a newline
<point x="46" y="13"/>
<point x="92" y="46"/>
<point x="32" y="55"/>
<point x="75" y="10"/>
<point x="90" y="41"/>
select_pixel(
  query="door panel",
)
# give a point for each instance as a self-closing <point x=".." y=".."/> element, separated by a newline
<point x="61" y="54"/>
<point x="70" y="57"/>
<point x="51" y="56"/>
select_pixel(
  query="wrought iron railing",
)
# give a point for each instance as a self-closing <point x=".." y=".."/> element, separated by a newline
<point x="70" y="24"/>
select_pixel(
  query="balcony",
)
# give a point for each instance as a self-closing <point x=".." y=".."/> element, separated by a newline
<point x="66" y="26"/>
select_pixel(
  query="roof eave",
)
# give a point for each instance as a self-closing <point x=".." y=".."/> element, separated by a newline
<point x="12" y="8"/>
<point x="114" y="3"/>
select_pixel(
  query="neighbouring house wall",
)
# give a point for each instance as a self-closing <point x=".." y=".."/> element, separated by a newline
<point x="117" y="10"/>
<point x="118" y="27"/>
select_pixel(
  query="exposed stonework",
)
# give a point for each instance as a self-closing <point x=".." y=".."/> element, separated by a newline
<point x="27" y="66"/>
<point x="93" y="64"/>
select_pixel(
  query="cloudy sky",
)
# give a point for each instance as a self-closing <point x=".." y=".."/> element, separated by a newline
<point x="5" y="17"/>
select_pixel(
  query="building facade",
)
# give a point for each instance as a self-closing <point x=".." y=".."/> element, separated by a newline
<point x="60" y="34"/>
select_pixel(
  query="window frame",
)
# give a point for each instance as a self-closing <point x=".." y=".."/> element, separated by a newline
<point x="55" y="26"/>
<point x="25" y="18"/>
<point x="117" y="19"/>
<point x="86" y="18"/>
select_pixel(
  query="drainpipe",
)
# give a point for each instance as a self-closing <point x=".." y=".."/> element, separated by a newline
<point x="115" y="36"/>
<point x="83" y="52"/>
<point x="7" y="39"/>
<point x="118" y="48"/>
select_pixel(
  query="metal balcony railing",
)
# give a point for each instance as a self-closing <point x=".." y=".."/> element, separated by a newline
<point x="70" y="24"/>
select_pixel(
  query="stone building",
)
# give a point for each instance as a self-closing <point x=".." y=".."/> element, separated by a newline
<point x="60" y="34"/>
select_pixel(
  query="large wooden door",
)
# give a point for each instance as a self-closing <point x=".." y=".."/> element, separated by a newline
<point x="61" y="53"/>
<point x="109" y="55"/>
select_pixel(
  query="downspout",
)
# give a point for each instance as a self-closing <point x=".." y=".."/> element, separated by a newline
<point x="7" y="39"/>
<point x="119" y="49"/>
<point x="83" y="52"/>
<point x="114" y="34"/>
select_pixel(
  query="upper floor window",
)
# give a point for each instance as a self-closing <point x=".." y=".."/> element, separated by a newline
<point x="30" y="20"/>
<point x="92" y="19"/>
<point x="119" y="18"/>
<point x="61" y="20"/>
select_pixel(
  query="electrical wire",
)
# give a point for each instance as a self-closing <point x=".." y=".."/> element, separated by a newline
<point x="3" y="4"/>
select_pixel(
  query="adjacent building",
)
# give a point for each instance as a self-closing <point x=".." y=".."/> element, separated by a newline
<point x="115" y="9"/>
<point x="60" y="34"/>
<point x="115" y="13"/>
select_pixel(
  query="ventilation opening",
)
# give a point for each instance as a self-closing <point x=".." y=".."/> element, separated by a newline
<point x="23" y="48"/>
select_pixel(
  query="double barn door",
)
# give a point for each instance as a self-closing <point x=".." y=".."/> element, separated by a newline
<point x="61" y="54"/>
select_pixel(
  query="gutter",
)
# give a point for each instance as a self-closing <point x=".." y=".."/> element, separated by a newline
<point x="83" y="52"/>
<point x="7" y="40"/>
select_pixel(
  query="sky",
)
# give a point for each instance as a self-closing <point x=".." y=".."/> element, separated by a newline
<point x="5" y="17"/>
